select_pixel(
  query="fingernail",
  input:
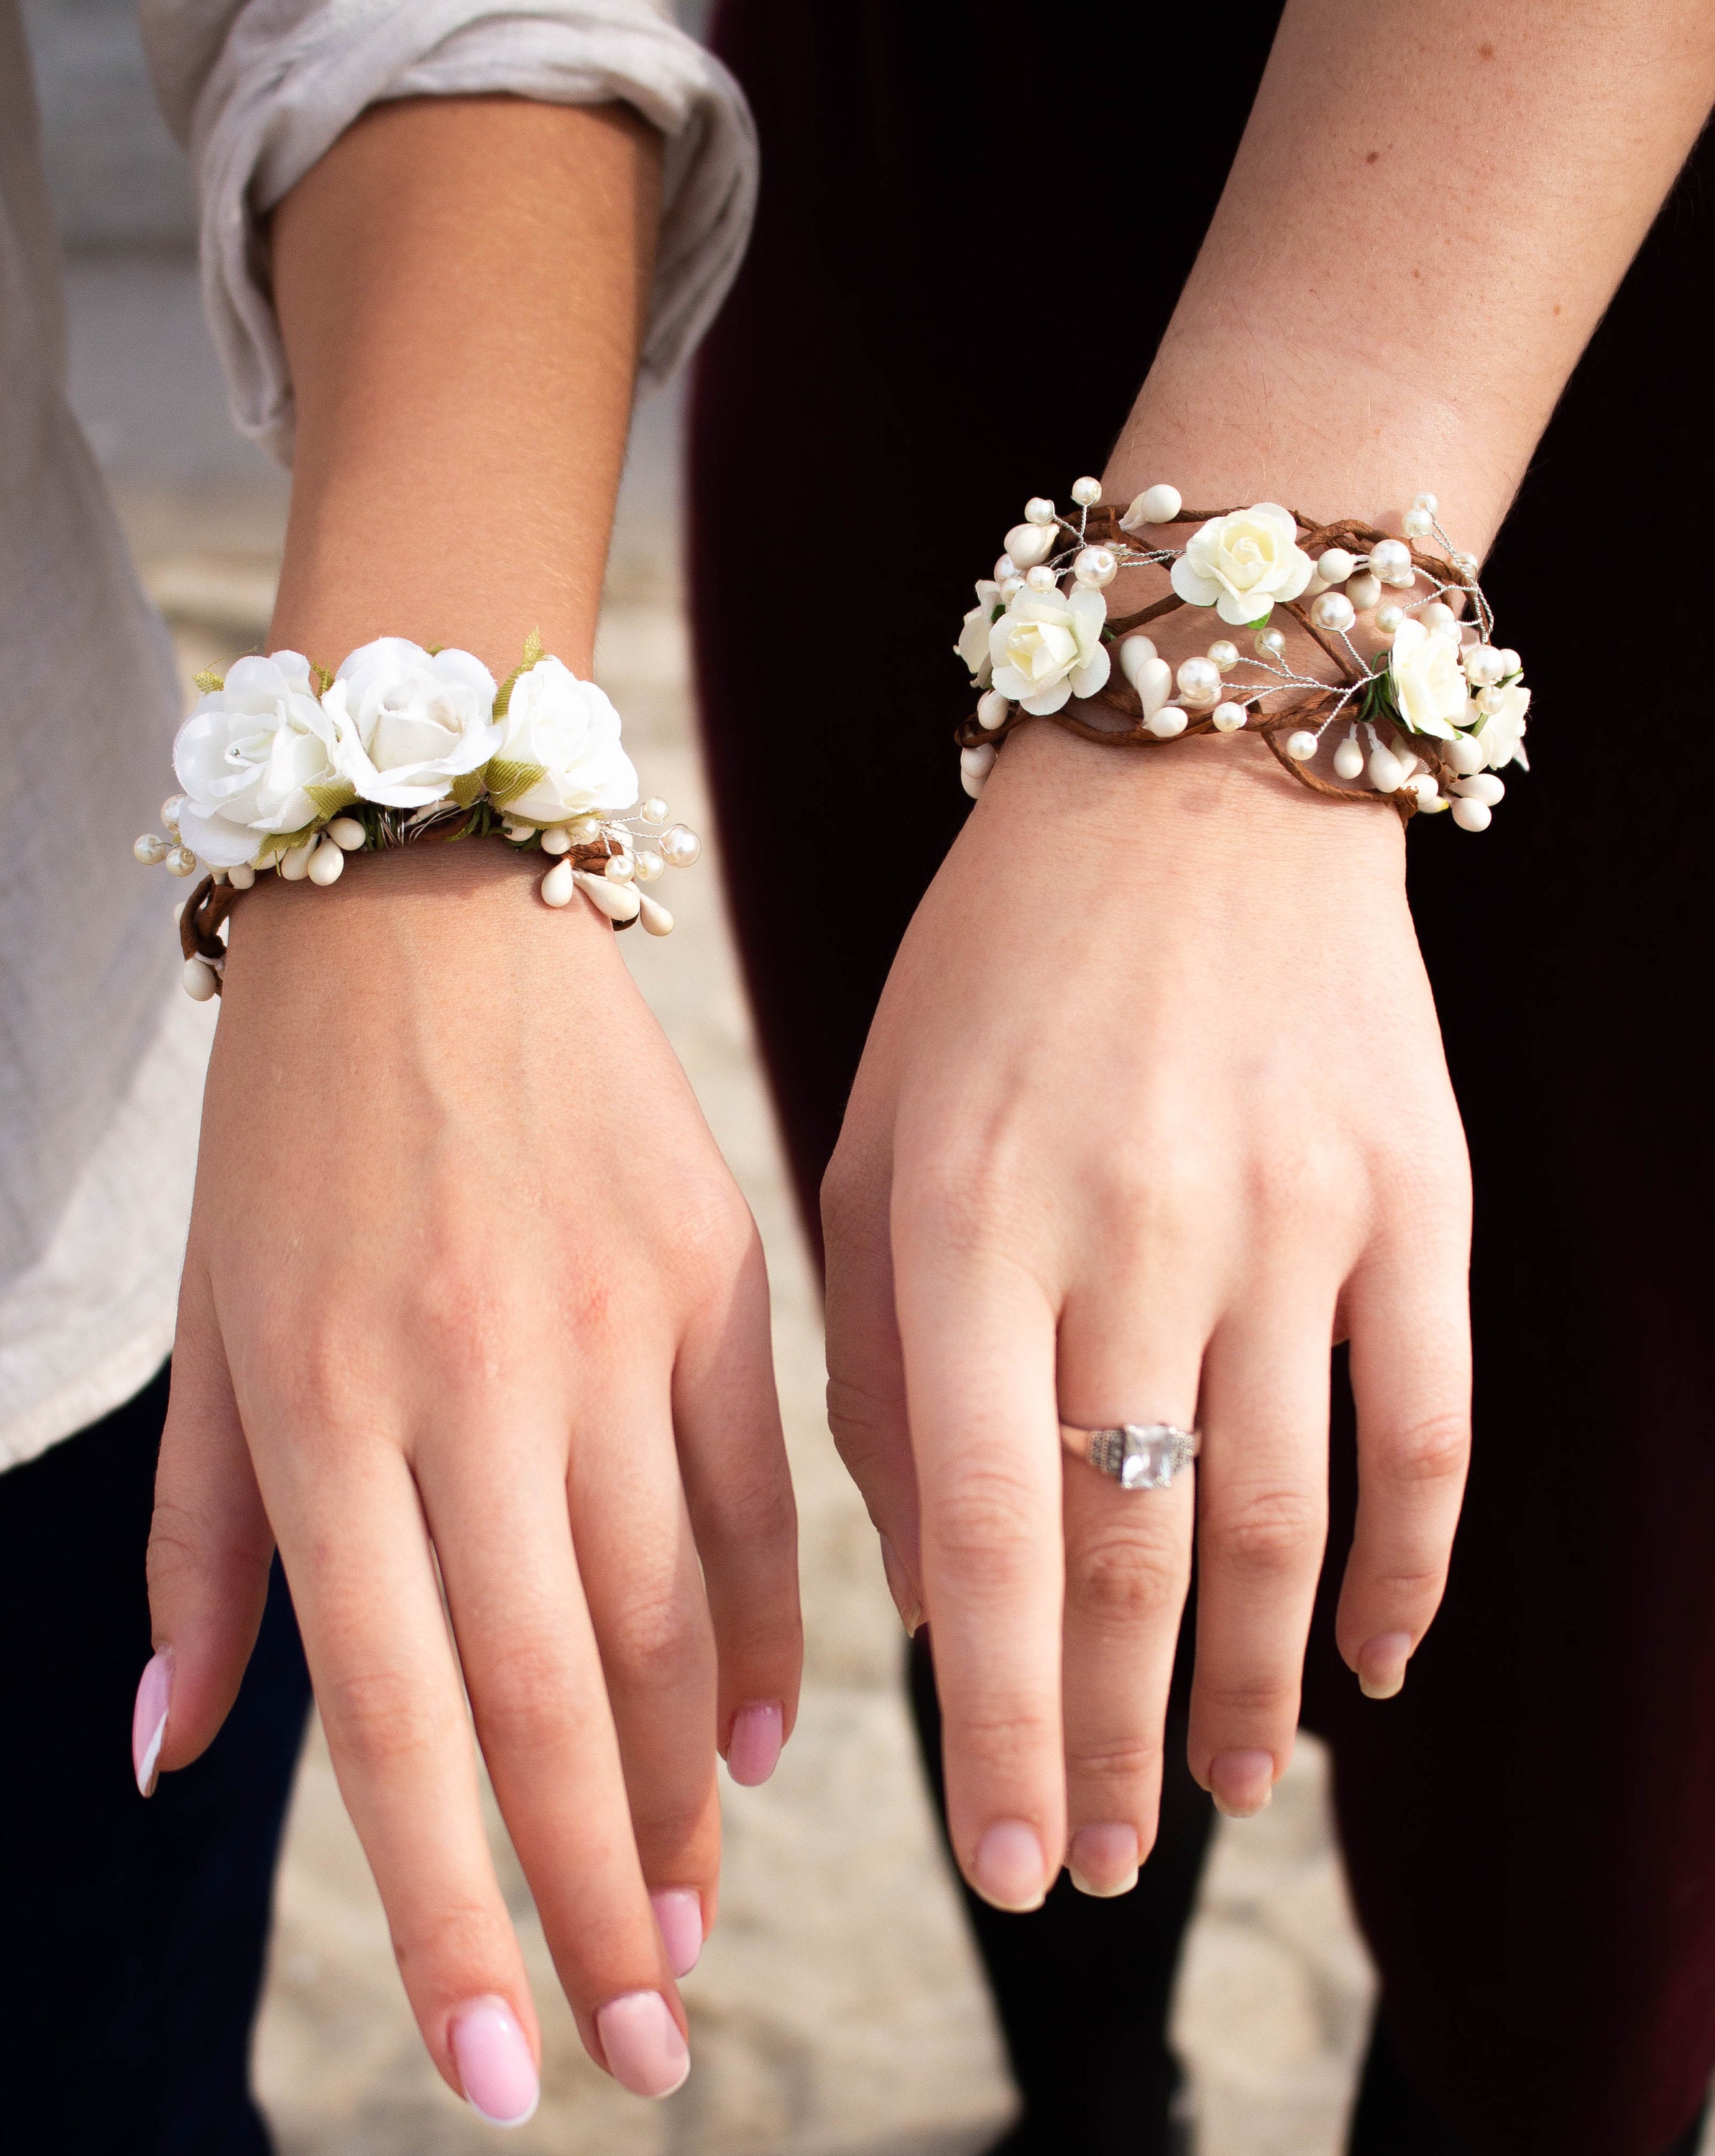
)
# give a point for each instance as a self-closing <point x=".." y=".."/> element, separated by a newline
<point x="149" y="1718"/>
<point x="899" y="1586"/>
<point x="1103" y="1861"/>
<point x="1008" y="1869"/>
<point x="495" y="2069"/>
<point x="646" y="2054"/>
<point x="1241" y="1783"/>
<point x="753" y="1750"/>
<point x="1381" y="1664"/>
<point x="679" y="1911"/>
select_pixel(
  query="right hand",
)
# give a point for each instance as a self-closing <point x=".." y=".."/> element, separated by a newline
<point x="472" y="1307"/>
<point x="1154" y="1110"/>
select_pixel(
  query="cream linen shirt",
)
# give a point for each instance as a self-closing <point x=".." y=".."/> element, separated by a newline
<point x="101" y="1055"/>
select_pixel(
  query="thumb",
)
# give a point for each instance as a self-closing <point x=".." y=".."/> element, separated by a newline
<point x="210" y="1549"/>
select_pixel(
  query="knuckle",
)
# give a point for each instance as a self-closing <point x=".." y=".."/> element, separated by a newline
<point x="984" y="1522"/>
<point x="1152" y="1199"/>
<point x="1122" y="1582"/>
<point x="652" y="1641"/>
<point x="964" y="1198"/>
<point x="1252" y="1701"/>
<point x="714" y="1236"/>
<point x="997" y="1739"/>
<point x="454" y="1937"/>
<point x="1117" y="1763"/>
<point x="1267" y="1532"/>
<point x="378" y="1719"/>
<point x="1434" y="1450"/>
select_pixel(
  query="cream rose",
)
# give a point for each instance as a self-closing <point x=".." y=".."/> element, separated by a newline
<point x="260" y="755"/>
<point x="559" y="752"/>
<point x="973" y="646"/>
<point x="410" y="722"/>
<point x="1428" y="680"/>
<point x="1242" y="563"/>
<point x="1047" y="649"/>
<point x="1501" y="733"/>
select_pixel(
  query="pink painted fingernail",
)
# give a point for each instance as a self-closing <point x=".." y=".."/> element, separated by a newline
<point x="1008" y="1869"/>
<point x="1103" y="1861"/>
<point x="899" y="1586"/>
<point x="679" y="1911"/>
<point x="1241" y="1783"/>
<point x="495" y="2069"/>
<point x="1381" y="1664"/>
<point x="149" y="1718"/>
<point x="753" y="1751"/>
<point x="645" y="2052"/>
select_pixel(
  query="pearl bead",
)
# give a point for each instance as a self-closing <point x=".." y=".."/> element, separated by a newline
<point x="1149" y="676"/>
<point x="992" y="709"/>
<point x="1156" y="505"/>
<point x="1348" y="760"/>
<point x="1424" y="789"/>
<point x="346" y="833"/>
<point x="1167" y="722"/>
<point x="1364" y="590"/>
<point x="199" y="980"/>
<point x="1038" y="510"/>
<point x="1228" y="718"/>
<point x="1472" y="815"/>
<point x="1385" y="773"/>
<point x="1005" y="567"/>
<point x="1465" y="752"/>
<point x="583" y="829"/>
<point x="1390" y="559"/>
<point x="655" y="916"/>
<point x="1269" y="643"/>
<point x="977" y="763"/>
<point x="557" y="886"/>
<point x="1301" y="746"/>
<point x="1224" y="653"/>
<point x="150" y="848"/>
<point x="620" y="869"/>
<point x="972" y="787"/>
<point x="681" y="847"/>
<point x="1489" y="701"/>
<point x="618" y="901"/>
<point x="1086" y="492"/>
<point x="1425" y="501"/>
<point x="1417" y="524"/>
<point x="1030" y="543"/>
<point x="650" y="866"/>
<point x="170" y="809"/>
<point x="327" y="865"/>
<point x="242" y="877"/>
<point x="1333" y="610"/>
<point x="1198" y="677"/>
<point x="1465" y="564"/>
<point x="654" y="810"/>
<point x="1434" y="808"/>
<point x="1437" y="616"/>
<point x="557" y="841"/>
<point x="1483" y="665"/>
<point x="1011" y="588"/>
<point x="294" y="866"/>
<point x="181" y="862"/>
<point x="1389" y="619"/>
<point x="518" y="833"/>
<point x="1335" y="565"/>
<point x="1042" y="580"/>
<point x="1096" y="568"/>
<point x="1511" y="662"/>
<point x="1483" y="787"/>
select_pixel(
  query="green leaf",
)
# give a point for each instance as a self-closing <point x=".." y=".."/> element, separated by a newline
<point x="282" y="842"/>
<point x="509" y="780"/>
<point x="1261" y="620"/>
<point x="467" y="789"/>
<point x="533" y="651"/>
<point x="322" y="679"/>
<point x="435" y="650"/>
<point x="331" y="799"/>
<point x="209" y="681"/>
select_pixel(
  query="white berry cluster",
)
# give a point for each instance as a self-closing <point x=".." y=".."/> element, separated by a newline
<point x="1432" y="708"/>
<point x="285" y="767"/>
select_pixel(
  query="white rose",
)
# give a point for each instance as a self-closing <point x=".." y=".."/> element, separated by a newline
<point x="1501" y="733"/>
<point x="559" y="744"/>
<point x="258" y="755"/>
<point x="973" y="646"/>
<point x="1242" y="564"/>
<point x="1428" y="680"/>
<point x="410" y="723"/>
<point x="1047" y="649"/>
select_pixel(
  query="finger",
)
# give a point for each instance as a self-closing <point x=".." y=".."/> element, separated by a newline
<point x="1131" y="1347"/>
<point x="977" y="1336"/>
<point x="210" y="1549"/>
<point x="1262" y="1521"/>
<point x="641" y="1580"/>
<point x="1410" y="1362"/>
<point x="498" y="1511"/>
<point x="866" y="1396"/>
<point x="364" y="1583"/>
<point x="738" y="1487"/>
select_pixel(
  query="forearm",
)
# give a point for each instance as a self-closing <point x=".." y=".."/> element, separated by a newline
<point x="461" y="285"/>
<point x="1430" y="209"/>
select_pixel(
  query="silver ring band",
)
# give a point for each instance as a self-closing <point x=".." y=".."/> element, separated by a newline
<point x="1138" y="1455"/>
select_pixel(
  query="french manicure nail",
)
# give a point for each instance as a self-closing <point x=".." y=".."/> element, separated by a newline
<point x="1241" y="1783"/>
<point x="645" y="2052"/>
<point x="899" y="1586"/>
<point x="1381" y="1664"/>
<point x="753" y="1751"/>
<point x="1008" y="1869"/>
<point x="679" y="1911"/>
<point x="1103" y="1861"/>
<point x="495" y="2069"/>
<point x="149" y="1718"/>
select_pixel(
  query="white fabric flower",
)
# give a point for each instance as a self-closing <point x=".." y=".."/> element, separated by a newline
<point x="1502" y="732"/>
<point x="1428" y="682"/>
<point x="247" y="755"/>
<point x="410" y="723"/>
<point x="973" y="646"/>
<point x="567" y="731"/>
<point x="1242" y="563"/>
<point x="1047" y="649"/>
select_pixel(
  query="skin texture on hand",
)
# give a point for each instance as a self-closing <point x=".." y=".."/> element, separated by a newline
<point x="474" y="1321"/>
<point x="1154" y="1109"/>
